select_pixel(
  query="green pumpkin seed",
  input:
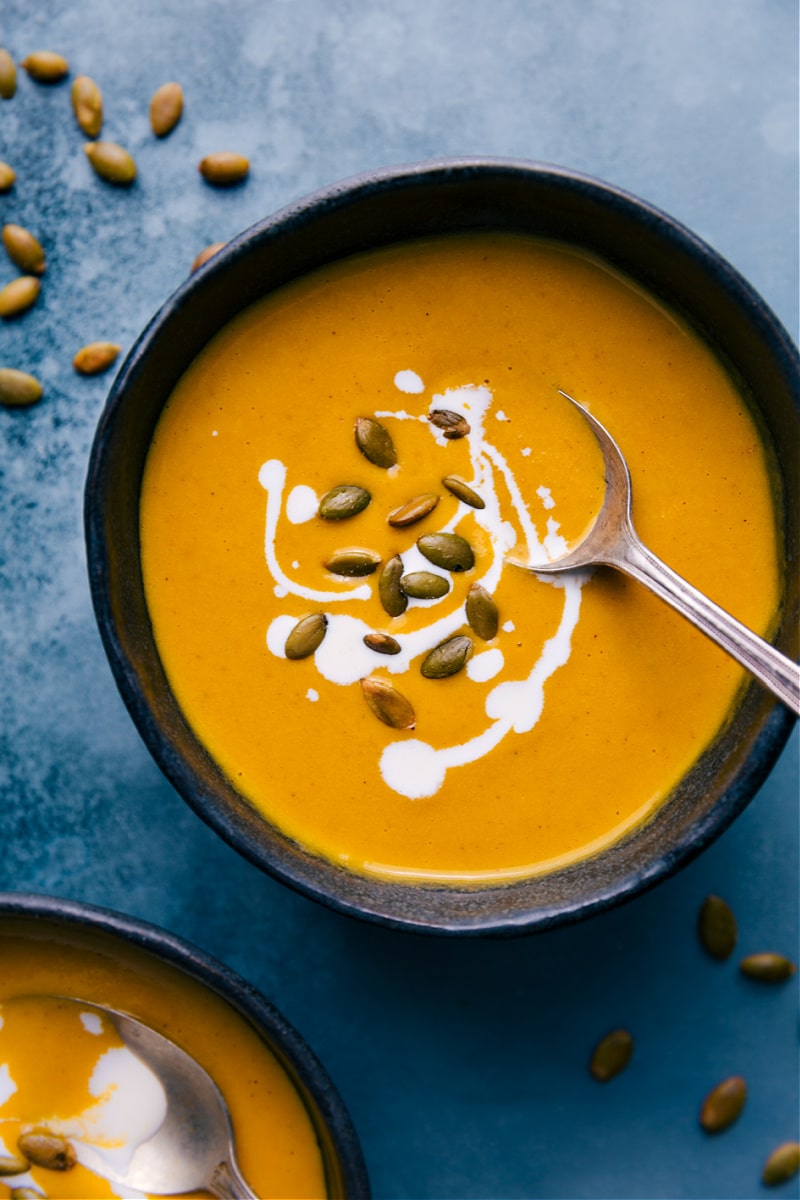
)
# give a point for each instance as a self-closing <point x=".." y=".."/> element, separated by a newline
<point x="716" y="927"/>
<point x="723" y="1104"/>
<point x="611" y="1055"/>
<point x="18" y="389"/>
<point x="306" y="636"/>
<point x="24" y="250"/>
<point x="452" y="424"/>
<point x="375" y="442"/>
<point x="95" y="357"/>
<point x="8" y="76"/>
<point x="13" y="1164"/>
<point x="353" y="563"/>
<point x="447" y="550"/>
<point x="204" y="255"/>
<point x="46" y="1149"/>
<point x="18" y="296"/>
<point x="767" y="967"/>
<point x="424" y="585"/>
<point x="482" y="614"/>
<point x="413" y="511"/>
<point x="392" y="597"/>
<point x="448" y="658"/>
<point x="7" y="177"/>
<point x="111" y="162"/>
<point x="45" y="66"/>
<point x="388" y="705"/>
<point x="782" y="1165"/>
<point x="87" y="104"/>
<point x="25" y="1193"/>
<point x="166" y="108"/>
<point x="224" y="169"/>
<point x="382" y="643"/>
<point x="462" y="491"/>
<point x="343" y="501"/>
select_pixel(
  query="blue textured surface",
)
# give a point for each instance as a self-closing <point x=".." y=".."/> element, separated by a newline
<point x="463" y="1064"/>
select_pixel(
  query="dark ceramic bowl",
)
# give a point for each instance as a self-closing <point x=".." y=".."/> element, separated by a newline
<point x="100" y="929"/>
<point x="361" y="214"/>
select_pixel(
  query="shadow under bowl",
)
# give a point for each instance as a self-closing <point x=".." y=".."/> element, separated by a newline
<point x="371" y="211"/>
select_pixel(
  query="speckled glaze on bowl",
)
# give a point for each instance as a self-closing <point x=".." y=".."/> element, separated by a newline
<point x="85" y="924"/>
<point x="364" y="213"/>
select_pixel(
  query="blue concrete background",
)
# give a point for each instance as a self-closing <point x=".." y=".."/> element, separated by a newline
<point x="463" y="1064"/>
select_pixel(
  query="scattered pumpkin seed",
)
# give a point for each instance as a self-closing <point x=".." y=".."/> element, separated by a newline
<point x="375" y="442"/>
<point x="482" y="614"/>
<point x="723" y="1104"/>
<point x="45" y="66"/>
<point x="462" y="491"/>
<point x="13" y="1164"/>
<point x="166" y="108"/>
<point x="716" y="927"/>
<point x="392" y="597"/>
<point x="611" y="1055"/>
<point x="8" y="76"/>
<point x="24" y="250"/>
<point x="452" y="424"/>
<point x="306" y="636"/>
<point x="95" y="357"/>
<point x="413" y="511"/>
<point x="767" y="967"/>
<point x="382" y="643"/>
<point x="18" y="296"/>
<point x="447" y="550"/>
<point x="204" y="255"/>
<point x="87" y="104"/>
<point x="782" y="1164"/>
<point x="46" y="1149"/>
<point x="345" y="500"/>
<point x="111" y="162"/>
<point x="224" y="169"/>
<point x="7" y="177"/>
<point x="388" y="705"/>
<point x="353" y="562"/>
<point x="447" y="658"/>
<point x="424" y="585"/>
<point x="18" y="389"/>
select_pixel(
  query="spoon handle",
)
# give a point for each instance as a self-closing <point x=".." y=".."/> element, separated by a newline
<point x="772" y="668"/>
<point x="228" y="1184"/>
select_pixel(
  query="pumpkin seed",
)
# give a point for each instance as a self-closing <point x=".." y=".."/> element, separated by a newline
<point x="716" y="927"/>
<point x="723" y="1104"/>
<point x="95" y="358"/>
<point x="452" y="424"/>
<point x="382" y="643"/>
<point x="224" y="169"/>
<point x="306" y="636"/>
<point x="447" y="658"/>
<point x="611" y="1055"/>
<point x="392" y="597"/>
<point x="354" y="562"/>
<point x="7" y="177"/>
<point x="13" y="1164"/>
<point x="482" y="614"/>
<point x="16" y="297"/>
<point x="166" y="108"/>
<point x="45" y="66"/>
<point x="18" y="389"/>
<point x="87" y="104"/>
<point x="24" y="250"/>
<point x="204" y="255"/>
<point x="8" y="75"/>
<point x="413" y="511"/>
<point x="375" y="442"/>
<point x="782" y="1164"/>
<point x="388" y="705"/>
<point x="345" y="500"/>
<point x="767" y="967"/>
<point x="447" y="550"/>
<point x="111" y="162"/>
<point x="25" y="1193"/>
<point x="424" y="585"/>
<point x="461" y="489"/>
<point x="46" y="1149"/>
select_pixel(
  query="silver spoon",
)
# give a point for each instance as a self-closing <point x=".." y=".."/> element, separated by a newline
<point x="612" y="541"/>
<point x="193" y="1148"/>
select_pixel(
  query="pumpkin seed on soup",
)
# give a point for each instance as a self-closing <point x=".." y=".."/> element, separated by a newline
<point x="392" y="597"/>
<point x="382" y="643"/>
<point x="8" y="76"/>
<point x="18" y="296"/>
<point x="611" y="1055"/>
<point x="424" y="585"/>
<point x="345" y="500"/>
<point x="767" y="967"/>
<point x="87" y="104"/>
<point x="448" y="658"/>
<point x="413" y="510"/>
<point x="18" y="389"/>
<point x="447" y="550"/>
<point x="375" y="442"/>
<point x="723" y="1104"/>
<point x="111" y="162"/>
<point x="45" y="66"/>
<point x="716" y="927"/>
<point x="388" y="705"/>
<point x="46" y="1149"/>
<point x="452" y="424"/>
<point x="306" y="636"/>
<point x="26" y="1193"/>
<point x="24" y="250"/>
<point x="353" y="563"/>
<point x="782" y="1164"/>
<point x="13" y="1164"/>
<point x="482" y="615"/>
<point x="166" y="108"/>
<point x="459" y="488"/>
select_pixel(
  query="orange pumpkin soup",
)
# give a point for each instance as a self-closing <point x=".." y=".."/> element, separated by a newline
<point x="355" y="431"/>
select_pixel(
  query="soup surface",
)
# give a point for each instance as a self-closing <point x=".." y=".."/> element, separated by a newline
<point x="572" y="720"/>
<point x="65" y="1069"/>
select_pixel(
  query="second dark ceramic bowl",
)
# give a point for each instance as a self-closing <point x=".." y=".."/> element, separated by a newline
<point x="372" y="211"/>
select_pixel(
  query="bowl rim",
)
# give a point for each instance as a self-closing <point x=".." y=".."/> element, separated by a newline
<point x="299" y="215"/>
<point x="304" y="1069"/>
